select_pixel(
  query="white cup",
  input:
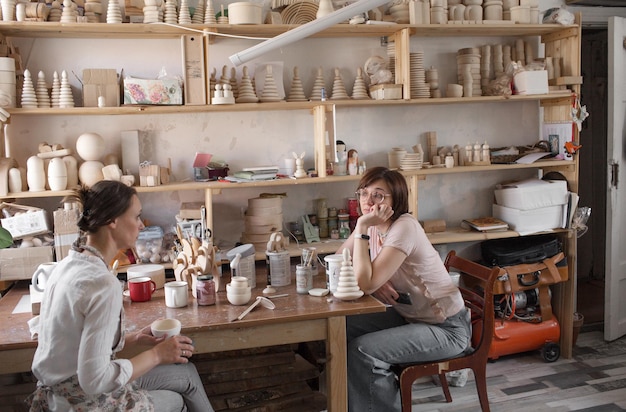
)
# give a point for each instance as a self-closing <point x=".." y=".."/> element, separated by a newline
<point x="42" y="274"/>
<point x="176" y="294"/>
<point x="454" y="90"/>
<point x="290" y="166"/>
<point x="165" y="327"/>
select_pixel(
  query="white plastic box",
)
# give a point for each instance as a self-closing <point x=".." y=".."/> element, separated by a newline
<point x="532" y="194"/>
<point x="533" y="220"/>
<point x="531" y="82"/>
<point x="25" y="220"/>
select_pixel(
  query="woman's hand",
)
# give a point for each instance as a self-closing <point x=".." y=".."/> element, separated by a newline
<point x="145" y="337"/>
<point x="386" y="294"/>
<point x="376" y="214"/>
<point x="177" y="349"/>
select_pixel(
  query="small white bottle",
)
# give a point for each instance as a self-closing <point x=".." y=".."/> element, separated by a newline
<point x="468" y="153"/>
<point x="476" y="154"/>
<point x="486" y="153"/>
<point x="449" y="161"/>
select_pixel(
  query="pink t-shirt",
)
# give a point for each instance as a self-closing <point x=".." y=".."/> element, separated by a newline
<point x="422" y="274"/>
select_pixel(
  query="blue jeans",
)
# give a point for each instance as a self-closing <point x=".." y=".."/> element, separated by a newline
<point x="175" y="388"/>
<point x="379" y="340"/>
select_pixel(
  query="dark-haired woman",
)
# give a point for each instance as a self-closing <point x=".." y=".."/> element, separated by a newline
<point x="394" y="261"/>
<point x="81" y="325"/>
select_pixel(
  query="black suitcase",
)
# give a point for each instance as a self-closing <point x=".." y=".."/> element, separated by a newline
<point x="518" y="250"/>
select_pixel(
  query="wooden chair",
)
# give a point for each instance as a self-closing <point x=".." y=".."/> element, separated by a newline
<point x="476" y="286"/>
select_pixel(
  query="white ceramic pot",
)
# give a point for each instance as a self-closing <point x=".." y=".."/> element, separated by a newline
<point x="57" y="174"/>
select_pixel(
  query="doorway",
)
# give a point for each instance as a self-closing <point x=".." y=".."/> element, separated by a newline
<point x="593" y="175"/>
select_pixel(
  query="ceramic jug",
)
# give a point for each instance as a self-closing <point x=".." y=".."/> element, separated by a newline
<point x="41" y="275"/>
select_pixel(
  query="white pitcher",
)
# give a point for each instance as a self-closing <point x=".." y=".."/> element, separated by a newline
<point x="42" y="274"/>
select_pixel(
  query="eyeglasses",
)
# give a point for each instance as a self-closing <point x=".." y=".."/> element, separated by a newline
<point x="377" y="197"/>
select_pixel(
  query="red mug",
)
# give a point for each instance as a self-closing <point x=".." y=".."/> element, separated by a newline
<point x="141" y="289"/>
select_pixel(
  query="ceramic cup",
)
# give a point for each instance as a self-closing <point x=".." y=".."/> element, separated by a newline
<point x="454" y="90"/>
<point x="42" y="274"/>
<point x="141" y="289"/>
<point x="238" y="291"/>
<point x="176" y="294"/>
<point x="165" y="327"/>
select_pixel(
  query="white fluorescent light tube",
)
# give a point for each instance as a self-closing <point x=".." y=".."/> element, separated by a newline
<point x="305" y="30"/>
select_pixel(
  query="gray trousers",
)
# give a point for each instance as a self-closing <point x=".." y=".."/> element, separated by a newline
<point x="175" y="388"/>
<point x="377" y="341"/>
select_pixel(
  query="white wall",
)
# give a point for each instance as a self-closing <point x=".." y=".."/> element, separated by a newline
<point x="266" y="137"/>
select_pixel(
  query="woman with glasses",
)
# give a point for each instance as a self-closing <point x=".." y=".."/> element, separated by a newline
<point x="395" y="262"/>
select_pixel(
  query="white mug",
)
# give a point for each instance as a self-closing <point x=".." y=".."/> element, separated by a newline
<point x="42" y="274"/>
<point x="176" y="294"/>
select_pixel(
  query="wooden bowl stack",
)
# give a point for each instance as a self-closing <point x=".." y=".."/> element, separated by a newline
<point x="263" y="217"/>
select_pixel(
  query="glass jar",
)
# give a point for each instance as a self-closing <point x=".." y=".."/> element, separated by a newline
<point x="344" y="229"/>
<point x="205" y="290"/>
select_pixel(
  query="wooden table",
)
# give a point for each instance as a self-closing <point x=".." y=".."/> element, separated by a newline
<point x="297" y="318"/>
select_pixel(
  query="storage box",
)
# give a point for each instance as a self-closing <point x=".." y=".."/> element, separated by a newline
<point x="533" y="220"/>
<point x="100" y="82"/>
<point x="65" y="231"/>
<point x="25" y="220"/>
<point x="531" y="82"/>
<point x="148" y="91"/>
<point x="386" y="92"/>
<point x="21" y="263"/>
<point x="532" y="194"/>
<point x="190" y="210"/>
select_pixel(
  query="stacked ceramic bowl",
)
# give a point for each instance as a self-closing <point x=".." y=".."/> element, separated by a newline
<point x="468" y="61"/>
<point x="8" y="90"/>
<point x="419" y="88"/>
<point x="400" y="13"/>
<point x="411" y="161"/>
<point x="395" y="157"/>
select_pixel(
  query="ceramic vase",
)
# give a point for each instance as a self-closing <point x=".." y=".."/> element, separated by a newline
<point x="57" y="174"/>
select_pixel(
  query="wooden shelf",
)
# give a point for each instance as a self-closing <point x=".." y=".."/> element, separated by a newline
<point x="162" y="30"/>
<point x="276" y="106"/>
<point x="217" y="186"/>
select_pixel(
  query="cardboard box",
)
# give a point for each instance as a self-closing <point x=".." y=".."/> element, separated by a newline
<point x="101" y="82"/>
<point x="531" y="82"/>
<point x="152" y="92"/>
<point x="532" y="194"/>
<point x="533" y="220"/>
<point x="65" y="231"/>
<point x="386" y="92"/>
<point x="190" y="210"/>
<point x="21" y="263"/>
<point x="30" y="221"/>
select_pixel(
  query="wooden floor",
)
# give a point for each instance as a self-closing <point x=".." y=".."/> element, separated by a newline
<point x="593" y="380"/>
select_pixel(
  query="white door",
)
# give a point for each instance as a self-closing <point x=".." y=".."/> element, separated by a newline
<point x="615" y="286"/>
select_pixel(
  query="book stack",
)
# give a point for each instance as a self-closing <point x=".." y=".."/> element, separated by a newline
<point x="486" y="224"/>
<point x="257" y="173"/>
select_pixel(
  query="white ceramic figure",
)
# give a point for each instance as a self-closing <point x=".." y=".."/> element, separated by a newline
<point x="300" y="172"/>
<point x="43" y="98"/>
<point x="35" y="174"/>
<point x="90" y="146"/>
<point x="57" y="174"/>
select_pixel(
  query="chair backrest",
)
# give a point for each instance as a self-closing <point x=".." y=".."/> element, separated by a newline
<point x="476" y="284"/>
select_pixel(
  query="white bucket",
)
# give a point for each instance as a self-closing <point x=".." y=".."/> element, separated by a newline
<point x="333" y="267"/>
<point x="279" y="267"/>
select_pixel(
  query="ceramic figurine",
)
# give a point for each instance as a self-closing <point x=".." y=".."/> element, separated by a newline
<point x="246" y="91"/>
<point x="318" y="85"/>
<point x="56" y="90"/>
<point x="71" y="166"/>
<point x="114" y="14"/>
<point x="347" y="285"/>
<point x="300" y="172"/>
<point x="29" y="97"/>
<point x="233" y="82"/>
<point x="359" y="90"/>
<point x="65" y="96"/>
<point x="270" y="92"/>
<point x="43" y="98"/>
<point x="339" y="89"/>
<point x="198" y="14"/>
<point x="35" y="174"/>
<point x="57" y="174"/>
<point x="209" y="13"/>
<point x="184" y="17"/>
<point x="296" y="94"/>
<point x="171" y="15"/>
